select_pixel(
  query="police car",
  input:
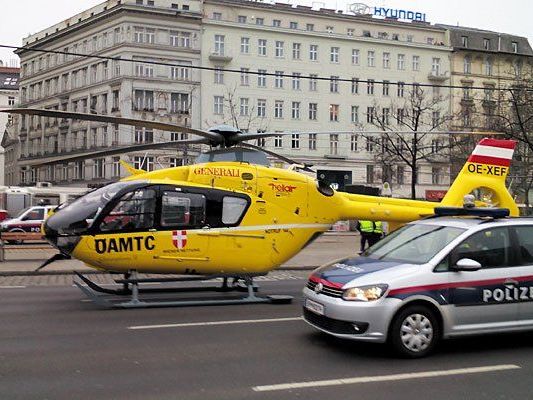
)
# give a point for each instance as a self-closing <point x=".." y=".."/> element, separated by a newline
<point x="441" y="277"/>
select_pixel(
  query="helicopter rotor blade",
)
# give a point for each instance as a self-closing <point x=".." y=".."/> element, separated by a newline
<point x="109" y="152"/>
<point x="214" y="137"/>
<point x="279" y="156"/>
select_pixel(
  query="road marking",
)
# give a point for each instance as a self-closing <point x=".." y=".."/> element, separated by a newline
<point x="383" y="378"/>
<point x="12" y="287"/>
<point x="214" y="323"/>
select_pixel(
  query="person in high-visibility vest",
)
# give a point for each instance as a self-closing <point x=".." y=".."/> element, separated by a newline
<point x="366" y="229"/>
<point x="377" y="233"/>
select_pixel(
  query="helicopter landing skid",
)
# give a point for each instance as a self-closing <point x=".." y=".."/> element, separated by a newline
<point x="131" y="289"/>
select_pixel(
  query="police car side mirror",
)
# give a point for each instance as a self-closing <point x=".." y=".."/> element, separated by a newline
<point x="467" y="264"/>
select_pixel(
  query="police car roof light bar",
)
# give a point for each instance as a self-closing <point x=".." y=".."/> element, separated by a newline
<point x="472" y="212"/>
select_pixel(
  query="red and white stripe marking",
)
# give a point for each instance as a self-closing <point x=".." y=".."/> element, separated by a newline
<point x="493" y="152"/>
<point x="179" y="239"/>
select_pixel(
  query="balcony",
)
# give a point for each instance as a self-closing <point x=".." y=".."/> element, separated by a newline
<point x="437" y="76"/>
<point x="220" y="56"/>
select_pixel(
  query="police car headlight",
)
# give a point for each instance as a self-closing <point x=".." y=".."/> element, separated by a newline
<point x="365" y="293"/>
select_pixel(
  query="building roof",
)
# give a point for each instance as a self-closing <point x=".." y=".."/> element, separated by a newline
<point x="499" y="42"/>
<point x="9" y="78"/>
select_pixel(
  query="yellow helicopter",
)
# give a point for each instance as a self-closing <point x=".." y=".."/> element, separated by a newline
<point x="230" y="215"/>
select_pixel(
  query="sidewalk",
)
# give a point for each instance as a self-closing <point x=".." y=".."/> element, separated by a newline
<point x="330" y="246"/>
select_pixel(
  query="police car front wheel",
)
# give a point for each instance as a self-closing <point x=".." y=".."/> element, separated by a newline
<point x="414" y="332"/>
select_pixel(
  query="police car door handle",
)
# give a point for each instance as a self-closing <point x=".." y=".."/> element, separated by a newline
<point x="510" y="282"/>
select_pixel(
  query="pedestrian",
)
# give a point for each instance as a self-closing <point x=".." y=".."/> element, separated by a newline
<point x="377" y="233"/>
<point x="366" y="229"/>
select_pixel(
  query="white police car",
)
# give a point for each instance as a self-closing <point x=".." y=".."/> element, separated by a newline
<point x="436" y="278"/>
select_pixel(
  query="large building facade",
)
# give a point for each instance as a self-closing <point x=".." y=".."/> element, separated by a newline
<point x="319" y="70"/>
<point x="9" y="93"/>
<point x="168" y="33"/>
<point x="267" y="67"/>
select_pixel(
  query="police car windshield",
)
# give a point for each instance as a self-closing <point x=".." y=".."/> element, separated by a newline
<point x="415" y="244"/>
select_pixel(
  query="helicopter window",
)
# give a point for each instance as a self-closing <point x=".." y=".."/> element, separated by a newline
<point x="134" y="211"/>
<point x="232" y="209"/>
<point x="182" y="209"/>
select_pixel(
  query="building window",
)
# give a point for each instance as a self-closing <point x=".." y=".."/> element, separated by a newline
<point x="370" y="87"/>
<point x="435" y="119"/>
<point x="296" y="81"/>
<point x="467" y="65"/>
<point x="313" y="78"/>
<point x="219" y="75"/>
<point x="350" y="31"/>
<point x="144" y="100"/>
<point x="116" y="166"/>
<point x="329" y="29"/>
<point x="353" y="143"/>
<point x="436" y="175"/>
<point x="143" y="135"/>
<point x="99" y="168"/>
<point x="279" y="49"/>
<point x="312" y="141"/>
<point x="241" y="19"/>
<point x="369" y="174"/>
<point x="416" y="63"/>
<point x="313" y="110"/>
<point x="144" y="70"/>
<point x="401" y="89"/>
<point x="245" y="76"/>
<point x="181" y="73"/>
<point x="293" y="25"/>
<point x="355" y="85"/>
<point x="334" y="55"/>
<point x="295" y="141"/>
<point x="219" y="45"/>
<point x="386" y="60"/>
<point x="401" y="61"/>
<point x="276" y="23"/>
<point x="261" y="78"/>
<point x="310" y="27"/>
<point x="334" y="113"/>
<point x="262" y="47"/>
<point x="259" y="21"/>
<point x="385" y="116"/>
<point x="279" y="80"/>
<point x="261" y="108"/>
<point x="180" y="39"/>
<point x="514" y="47"/>
<point x="313" y="52"/>
<point x="144" y="163"/>
<point x="278" y="142"/>
<point x="218" y="108"/>
<point x="333" y="144"/>
<point x="400" y="114"/>
<point x="355" y="56"/>
<point x="278" y="109"/>
<point x="370" y="112"/>
<point x="355" y="114"/>
<point x="245" y="45"/>
<point x="334" y="84"/>
<point x="295" y="110"/>
<point x="386" y="85"/>
<point x="464" y="41"/>
<point x="245" y="106"/>
<point x="217" y="16"/>
<point x="486" y="44"/>
<point x="488" y="66"/>
<point x="371" y="58"/>
<point x="296" y="47"/>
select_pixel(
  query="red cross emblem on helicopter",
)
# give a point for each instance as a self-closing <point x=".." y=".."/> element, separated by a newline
<point x="179" y="239"/>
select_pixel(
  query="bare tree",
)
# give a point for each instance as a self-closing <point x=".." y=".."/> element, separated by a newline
<point x="410" y="132"/>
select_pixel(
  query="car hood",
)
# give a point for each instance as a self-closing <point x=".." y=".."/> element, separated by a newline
<point x="345" y="271"/>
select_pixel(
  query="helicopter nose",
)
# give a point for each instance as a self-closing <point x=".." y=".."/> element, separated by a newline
<point x="64" y="243"/>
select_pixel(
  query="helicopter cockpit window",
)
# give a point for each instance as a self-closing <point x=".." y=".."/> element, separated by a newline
<point x="182" y="209"/>
<point x="134" y="211"/>
<point x="232" y="209"/>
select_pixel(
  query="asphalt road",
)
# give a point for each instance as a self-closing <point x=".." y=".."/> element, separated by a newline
<point x="56" y="345"/>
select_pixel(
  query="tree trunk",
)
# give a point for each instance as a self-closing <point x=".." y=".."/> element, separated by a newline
<point x="414" y="174"/>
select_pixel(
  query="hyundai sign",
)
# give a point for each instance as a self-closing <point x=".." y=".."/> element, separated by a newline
<point x="363" y="9"/>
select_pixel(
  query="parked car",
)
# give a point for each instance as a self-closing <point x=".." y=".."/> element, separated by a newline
<point x="436" y="278"/>
<point x="28" y="220"/>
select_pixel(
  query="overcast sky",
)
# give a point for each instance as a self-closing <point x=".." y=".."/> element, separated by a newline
<point x="23" y="17"/>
